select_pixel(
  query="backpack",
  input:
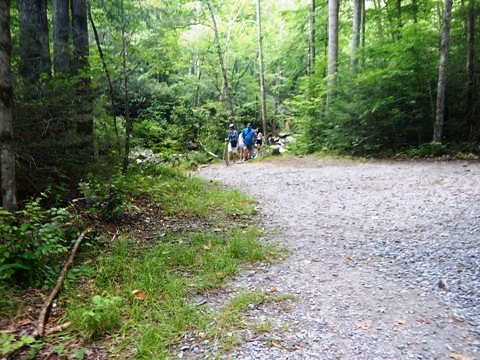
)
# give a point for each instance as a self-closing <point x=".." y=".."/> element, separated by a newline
<point x="233" y="137"/>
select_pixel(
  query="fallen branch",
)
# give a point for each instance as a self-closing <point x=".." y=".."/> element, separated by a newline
<point x="40" y="329"/>
<point x="57" y="328"/>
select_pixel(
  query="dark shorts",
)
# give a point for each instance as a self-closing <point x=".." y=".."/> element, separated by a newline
<point x="259" y="142"/>
<point x="249" y="146"/>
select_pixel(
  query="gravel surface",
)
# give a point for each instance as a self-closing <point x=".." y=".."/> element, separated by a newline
<point x="384" y="258"/>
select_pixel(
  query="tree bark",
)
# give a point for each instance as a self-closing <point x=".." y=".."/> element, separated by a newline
<point x="333" y="7"/>
<point x="357" y="16"/>
<point x="311" y="48"/>
<point x="34" y="40"/>
<point x="442" y="74"/>
<point x="198" y="76"/>
<point x="364" y="21"/>
<point x="80" y="67"/>
<point x="7" y="158"/>
<point x="227" y="93"/>
<point x="128" y="122"/>
<point x="80" y="35"/>
<point x="261" y="69"/>
<point x="469" y="90"/>
<point x="61" y="26"/>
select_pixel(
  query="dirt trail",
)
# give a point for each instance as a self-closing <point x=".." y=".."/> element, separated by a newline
<point x="384" y="258"/>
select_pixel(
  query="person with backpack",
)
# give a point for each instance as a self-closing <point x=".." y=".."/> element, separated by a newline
<point x="232" y="143"/>
<point x="248" y="135"/>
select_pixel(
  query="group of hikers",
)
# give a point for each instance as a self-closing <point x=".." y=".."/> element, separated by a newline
<point x="247" y="143"/>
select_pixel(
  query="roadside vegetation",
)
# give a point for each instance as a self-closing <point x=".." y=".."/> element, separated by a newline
<point x="162" y="238"/>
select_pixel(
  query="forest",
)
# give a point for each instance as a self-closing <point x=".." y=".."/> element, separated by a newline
<point x="99" y="97"/>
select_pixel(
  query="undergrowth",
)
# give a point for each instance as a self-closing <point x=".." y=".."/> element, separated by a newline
<point x="139" y="294"/>
<point x="142" y="293"/>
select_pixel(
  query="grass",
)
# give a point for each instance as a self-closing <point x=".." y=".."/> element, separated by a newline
<point x="169" y="274"/>
<point x="179" y="193"/>
<point x="135" y="297"/>
<point x="142" y="294"/>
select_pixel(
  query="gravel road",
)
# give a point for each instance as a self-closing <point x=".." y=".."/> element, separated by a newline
<point x="384" y="258"/>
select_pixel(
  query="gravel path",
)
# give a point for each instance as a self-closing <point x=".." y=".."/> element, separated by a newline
<point x="384" y="258"/>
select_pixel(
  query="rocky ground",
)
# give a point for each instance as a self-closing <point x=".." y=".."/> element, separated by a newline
<point x="384" y="258"/>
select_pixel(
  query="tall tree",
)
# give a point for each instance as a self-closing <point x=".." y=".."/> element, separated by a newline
<point x="261" y="68"/>
<point x="226" y="94"/>
<point x="128" y="121"/>
<point x="364" y="22"/>
<point x="80" y="35"/>
<point x="442" y="74"/>
<point x="80" y="68"/>
<point x="333" y="7"/>
<point x="469" y="87"/>
<point x="34" y="39"/>
<point x="61" y="31"/>
<point x="357" y="16"/>
<point x="7" y="159"/>
<point x="311" y="40"/>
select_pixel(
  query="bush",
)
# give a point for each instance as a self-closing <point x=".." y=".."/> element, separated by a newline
<point x="30" y="240"/>
<point x="106" y="198"/>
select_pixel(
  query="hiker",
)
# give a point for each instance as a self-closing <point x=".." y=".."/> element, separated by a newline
<point x="259" y="142"/>
<point x="248" y="135"/>
<point x="232" y="143"/>
<point x="241" y="147"/>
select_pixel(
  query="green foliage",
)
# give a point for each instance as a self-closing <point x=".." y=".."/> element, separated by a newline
<point x="32" y="240"/>
<point x="106" y="198"/>
<point x="9" y="344"/>
<point x="100" y="317"/>
<point x="432" y="149"/>
<point x="191" y="196"/>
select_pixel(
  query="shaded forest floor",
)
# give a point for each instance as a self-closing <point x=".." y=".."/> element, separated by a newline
<point x="132" y="292"/>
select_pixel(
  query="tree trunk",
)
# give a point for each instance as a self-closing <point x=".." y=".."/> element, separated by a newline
<point x="61" y="25"/>
<point x="107" y="75"/>
<point x="333" y="7"/>
<point x="469" y="93"/>
<point x="128" y="122"/>
<point x="364" y="21"/>
<point x="34" y="40"/>
<point x="80" y="68"/>
<point x="378" y="7"/>
<point x="311" y="48"/>
<point x="7" y="159"/>
<point x="198" y="76"/>
<point x="261" y="69"/>
<point x="415" y="11"/>
<point x="442" y="74"/>
<point x="399" y="19"/>
<point x="227" y="93"/>
<point x="80" y="35"/>
<point x="357" y="16"/>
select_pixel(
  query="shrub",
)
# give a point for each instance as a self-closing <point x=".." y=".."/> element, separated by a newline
<point x="30" y="240"/>
<point x="107" y="199"/>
